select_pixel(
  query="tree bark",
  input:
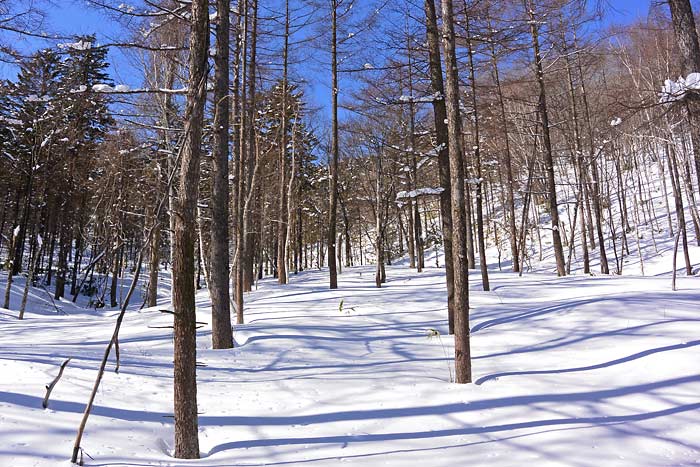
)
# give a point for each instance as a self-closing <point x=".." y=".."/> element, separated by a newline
<point x="282" y="230"/>
<point x="335" y="151"/>
<point x="459" y="221"/>
<point x="10" y="267"/>
<point x="442" y="141"/>
<point x="154" y="266"/>
<point x="185" y="348"/>
<point x="222" y="337"/>
<point x="483" y="266"/>
<point x="687" y="39"/>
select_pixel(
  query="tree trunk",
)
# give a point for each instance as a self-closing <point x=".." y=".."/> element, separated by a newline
<point x="282" y="229"/>
<point x="32" y="269"/>
<point x="62" y="269"/>
<point x="689" y="47"/>
<point x="379" y="240"/>
<point x="593" y="168"/>
<point x="252" y="149"/>
<point x="548" y="153"/>
<point x="241" y="144"/>
<point x="578" y="161"/>
<point x="510" y="187"/>
<point x="154" y="267"/>
<point x="680" y="209"/>
<point x="185" y="348"/>
<point x="459" y="221"/>
<point x="115" y="276"/>
<point x="10" y="269"/>
<point x="335" y="150"/>
<point x="442" y="140"/>
<point x="477" y="162"/>
<point x="222" y="337"/>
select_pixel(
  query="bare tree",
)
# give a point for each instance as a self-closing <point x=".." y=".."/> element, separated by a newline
<point x="222" y="337"/>
<point x="335" y="151"/>
<point x="185" y="345"/>
<point x="463" y="370"/>
<point x="442" y="142"/>
<point x="547" y="139"/>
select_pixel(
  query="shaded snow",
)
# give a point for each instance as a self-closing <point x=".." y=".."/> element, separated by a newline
<point x="583" y="371"/>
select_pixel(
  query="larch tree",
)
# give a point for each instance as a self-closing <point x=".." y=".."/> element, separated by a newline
<point x="222" y="337"/>
<point x="334" y="155"/>
<point x="442" y="143"/>
<point x="463" y="371"/>
<point x="185" y="345"/>
<point x="543" y="113"/>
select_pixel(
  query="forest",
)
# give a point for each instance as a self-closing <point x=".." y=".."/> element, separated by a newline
<point x="288" y="232"/>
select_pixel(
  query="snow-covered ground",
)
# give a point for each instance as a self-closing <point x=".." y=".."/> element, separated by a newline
<point x="579" y="371"/>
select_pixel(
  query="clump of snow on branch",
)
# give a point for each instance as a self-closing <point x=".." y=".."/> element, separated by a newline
<point x="425" y="99"/>
<point x="102" y="88"/>
<point x="419" y="192"/>
<point x="674" y="91"/>
<point x="126" y="8"/>
<point x="80" y="45"/>
<point x="107" y="88"/>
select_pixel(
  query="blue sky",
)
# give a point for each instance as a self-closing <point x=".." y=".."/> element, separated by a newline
<point x="621" y="11"/>
<point x="75" y="17"/>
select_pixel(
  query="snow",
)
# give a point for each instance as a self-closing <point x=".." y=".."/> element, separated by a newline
<point x="419" y="192"/>
<point x="10" y="121"/>
<point x="421" y="99"/>
<point x="674" y="91"/>
<point x="568" y="371"/>
<point x="107" y="88"/>
<point x="35" y="98"/>
<point x="126" y="8"/>
<point x="80" y="45"/>
<point x="102" y="88"/>
<point x="581" y="370"/>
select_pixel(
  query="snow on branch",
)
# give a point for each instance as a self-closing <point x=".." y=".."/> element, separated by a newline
<point x="10" y="121"/>
<point x="434" y="152"/>
<point x="411" y="99"/>
<point x="80" y="45"/>
<point x="419" y="100"/>
<point x="675" y="91"/>
<point x="418" y="192"/>
<point x="125" y="89"/>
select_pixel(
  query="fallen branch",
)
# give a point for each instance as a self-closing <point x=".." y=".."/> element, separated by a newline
<point x="100" y="373"/>
<point x="49" y="387"/>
